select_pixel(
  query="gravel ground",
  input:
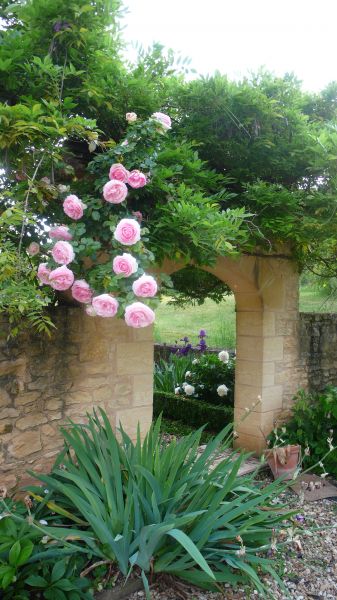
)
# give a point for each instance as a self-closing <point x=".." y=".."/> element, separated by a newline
<point x="308" y="568"/>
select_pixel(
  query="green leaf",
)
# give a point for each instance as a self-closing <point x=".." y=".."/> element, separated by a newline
<point x="192" y="550"/>
<point x="14" y="554"/>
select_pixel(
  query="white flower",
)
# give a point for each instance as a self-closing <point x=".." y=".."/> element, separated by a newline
<point x="195" y="361"/>
<point x="223" y="356"/>
<point x="189" y="389"/>
<point x="177" y="390"/>
<point x="43" y="522"/>
<point x="222" y="390"/>
<point x="184" y="385"/>
<point x="188" y="374"/>
<point x="131" y="117"/>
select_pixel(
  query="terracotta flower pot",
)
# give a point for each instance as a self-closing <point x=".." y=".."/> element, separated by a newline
<point x="284" y="461"/>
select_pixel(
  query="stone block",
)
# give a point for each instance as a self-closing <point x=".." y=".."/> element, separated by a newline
<point x="6" y="427"/>
<point x="134" y="358"/>
<point x="26" y="398"/>
<point x="78" y="397"/>
<point x="24" y="444"/>
<point x="53" y="404"/>
<point x="30" y="421"/>
<point x="9" y="413"/>
<point x="95" y="351"/>
<point x="249" y="348"/>
<point x="142" y="394"/>
<point x="5" y="398"/>
<point x="129" y="418"/>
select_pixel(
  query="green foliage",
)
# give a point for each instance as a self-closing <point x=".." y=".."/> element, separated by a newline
<point x="192" y="285"/>
<point x="27" y="564"/>
<point x="208" y="373"/>
<point x="192" y="412"/>
<point x="159" y="508"/>
<point x="180" y="429"/>
<point x="313" y="422"/>
<point x="168" y="373"/>
<point x="278" y="145"/>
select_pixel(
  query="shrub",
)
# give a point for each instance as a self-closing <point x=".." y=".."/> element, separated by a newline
<point x="159" y="507"/>
<point x="191" y="411"/>
<point x="313" y="425"/>
<point x="31" y="567"/>
<point x="211" y="379"/>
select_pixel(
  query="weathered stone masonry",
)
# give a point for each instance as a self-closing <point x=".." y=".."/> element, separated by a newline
<point x="88" y="363"/>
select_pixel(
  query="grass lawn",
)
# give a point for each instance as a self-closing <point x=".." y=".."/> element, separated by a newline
<point x="219" y="319"/>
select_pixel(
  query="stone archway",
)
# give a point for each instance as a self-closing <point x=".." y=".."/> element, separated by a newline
<point x="103" y="363"/>
<point x="267" y="345"/>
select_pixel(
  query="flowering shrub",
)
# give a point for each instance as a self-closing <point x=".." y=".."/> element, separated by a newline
<point x="118" y="287"/>
<point x="313" y="425"/>
<point x="211" y="379"/>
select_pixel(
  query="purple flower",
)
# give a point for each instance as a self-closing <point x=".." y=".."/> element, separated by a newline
<point x="202" y="333"/>
<point x="184" y="339"/>
<point x="300" y="518"/>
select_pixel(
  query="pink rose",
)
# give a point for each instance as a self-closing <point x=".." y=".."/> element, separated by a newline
<point x="117" y="171"/>
<point x="125" y="264"/>
<point x="43" y="273"/>
<point x="73" y="207"/>
<point x="33" y="249"/>
<point x="61" y="232"/>
<point x="164" y="120"/>
<point x="145" y="286"/>
<point x="127" y="232"/>
<point x="63" y="253"/>
<point x="90" y="311"/>
<point x="131" y="117"/>
<point x="81" y="291"/>
<point x="61" y="278"/>
<point x="139" y="315"/>
<point x="136" y="179"/>
<point x="115" y="191"/>
<point x="105" y="305"/>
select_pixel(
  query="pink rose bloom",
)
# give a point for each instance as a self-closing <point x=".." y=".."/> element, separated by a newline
<point x="136" y="179"/>
<point x="61" y="278"/>
<point x="105" y="305"/>
<point x="115" y="191"/>
<point x="125" y="264"/>
<point x="127" y="232"/>
<point x="33" y="249"/>
<point x="63" y="253"/>
<point x="61" y="232"/>
<point x="131" y="117"/>
<point x="43" y="273"/>
<point x="90" y="311"/>
<point x="81" y="291"/>
<point x="117" y="171"/>
<point x="145" y="286"/>
<point x="163" y="119"/>
<point x="73" y="207"/>
<point x="139" y="315"/>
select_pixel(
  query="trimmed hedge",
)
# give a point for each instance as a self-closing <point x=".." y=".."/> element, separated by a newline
<point x="191" y="411"/>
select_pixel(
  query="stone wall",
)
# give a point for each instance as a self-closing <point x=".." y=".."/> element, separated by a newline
<point x="88" y="362"/>
<point x="318" y="349"/>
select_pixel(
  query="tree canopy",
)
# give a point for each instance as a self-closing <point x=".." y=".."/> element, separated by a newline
<point x="249" y="166"/>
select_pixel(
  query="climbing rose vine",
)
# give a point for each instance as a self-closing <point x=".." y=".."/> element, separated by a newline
<point x="134" y="289"/>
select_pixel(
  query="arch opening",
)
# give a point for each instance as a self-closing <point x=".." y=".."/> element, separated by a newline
<point x="267" y="344"/>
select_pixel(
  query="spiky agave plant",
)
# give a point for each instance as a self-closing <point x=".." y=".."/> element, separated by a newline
<point x="162" y="508"/>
